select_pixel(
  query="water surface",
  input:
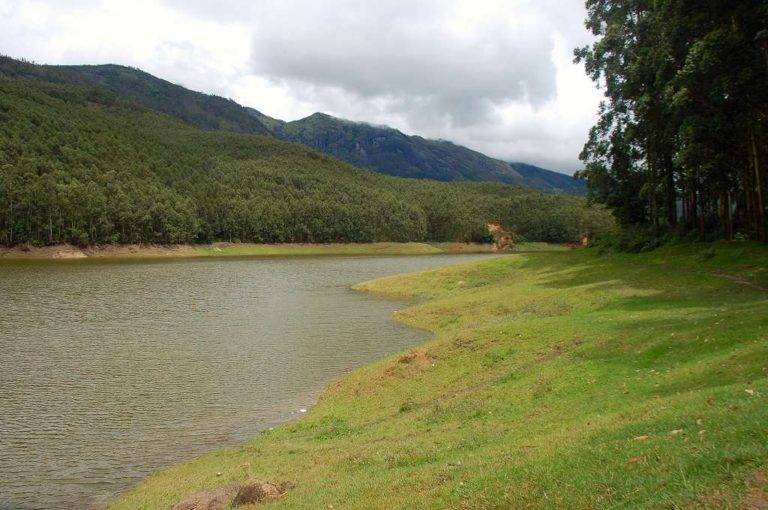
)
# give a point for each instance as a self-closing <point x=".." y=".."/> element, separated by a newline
<point x="111" y="370"/>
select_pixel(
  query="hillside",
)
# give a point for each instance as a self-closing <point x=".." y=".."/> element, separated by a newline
<point x="391" y="152"/>
<point x="83" y="167"/>
<point x="568" y="380"/>
<point x="202" y="110"/>
<point x="381" y="149"/>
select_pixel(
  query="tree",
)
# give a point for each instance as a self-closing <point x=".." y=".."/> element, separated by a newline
<point x="684" y="118"/>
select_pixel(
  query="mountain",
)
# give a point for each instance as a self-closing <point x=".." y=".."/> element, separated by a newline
<point x="389" y="151"/>
<point x="205" y="111"/>
<point x="81" y="166"/>
<point x="541" y="178"/>
<point x="381" y="149"/>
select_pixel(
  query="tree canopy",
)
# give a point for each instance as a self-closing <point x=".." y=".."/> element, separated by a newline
<point x="681" y="139"/>
<point x="86" y="166"/>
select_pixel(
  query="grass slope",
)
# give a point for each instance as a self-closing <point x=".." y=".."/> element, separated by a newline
<point x="558" y="379"/>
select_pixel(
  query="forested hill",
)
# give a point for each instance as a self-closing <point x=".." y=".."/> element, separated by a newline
<point x="380" y="149"/>
<point x="387" y="150"/>
<point x="81" y="166"/>
<point x="202" y="110"/>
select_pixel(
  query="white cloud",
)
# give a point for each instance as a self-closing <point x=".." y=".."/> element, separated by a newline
<point x="495" y="75"/>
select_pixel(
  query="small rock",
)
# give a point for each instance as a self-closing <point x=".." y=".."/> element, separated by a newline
<point x="676" y="432"/>
<point x="256" y="491"/>
<point x="302" y="410"/>
<point x="750" y="392"/>
<point x="640" y="438"/>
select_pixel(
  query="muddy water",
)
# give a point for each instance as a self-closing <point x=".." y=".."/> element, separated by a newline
<point x="109" y="371"/>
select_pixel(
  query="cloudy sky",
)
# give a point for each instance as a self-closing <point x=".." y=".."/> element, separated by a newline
<point x="496" y="76"/>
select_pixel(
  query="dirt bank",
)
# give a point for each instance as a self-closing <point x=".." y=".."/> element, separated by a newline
<point x="153" y="251"/>
<point x="65" y="251"/>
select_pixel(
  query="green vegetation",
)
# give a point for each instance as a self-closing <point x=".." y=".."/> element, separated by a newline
<point x="386" y="150"/>
<point x="682" y="139"/>
<point x="555" y="380"/>
<point x="81" y="166"/>
<point x="411" y="248"/>
<point x="201" y="110"/>
<point x="380" y="149"/>
<point x="270" y="250"/>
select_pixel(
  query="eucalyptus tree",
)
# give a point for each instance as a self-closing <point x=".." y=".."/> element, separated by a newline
<point x="683" y="123"/>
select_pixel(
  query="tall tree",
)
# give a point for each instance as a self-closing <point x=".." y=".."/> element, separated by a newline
<point x="683" y="123"/>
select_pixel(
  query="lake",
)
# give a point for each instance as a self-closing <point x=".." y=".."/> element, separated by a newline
<point x="110" y="370"/>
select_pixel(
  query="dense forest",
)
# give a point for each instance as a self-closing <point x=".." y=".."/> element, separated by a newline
<point x="378" y="148"/>
<point x="681" y="145"/>
<point x="202" y="110"/>
<point x="83" y="165"/>
<point x="387" y="150"/>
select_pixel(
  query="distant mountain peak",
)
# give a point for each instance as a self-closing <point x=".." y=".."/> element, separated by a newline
<point x="387" y="150"/>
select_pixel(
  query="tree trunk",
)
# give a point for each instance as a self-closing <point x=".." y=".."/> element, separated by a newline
<point x="759" y="203"/>
<point x="694" y="210"/>
<point x="671" y="192"/>
<point x="728" y="216"/>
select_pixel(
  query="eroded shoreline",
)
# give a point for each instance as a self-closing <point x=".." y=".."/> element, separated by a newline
<point x="144" y="251"/>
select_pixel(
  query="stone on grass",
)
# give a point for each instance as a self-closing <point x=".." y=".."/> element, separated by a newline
<point x="256" y="491"/>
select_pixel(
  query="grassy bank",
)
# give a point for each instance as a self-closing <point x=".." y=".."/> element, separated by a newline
<point x="557" y="379"/>
<point x="135" y="251"/>
<point x="67" y="252"/>
<point x="272" y="250"/>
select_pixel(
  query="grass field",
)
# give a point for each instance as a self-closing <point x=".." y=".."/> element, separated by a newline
<point x="554" y="380"/>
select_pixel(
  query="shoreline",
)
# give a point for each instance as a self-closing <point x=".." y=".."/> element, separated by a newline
<point x="515" y="340"/>
<point x="65" y="252"/>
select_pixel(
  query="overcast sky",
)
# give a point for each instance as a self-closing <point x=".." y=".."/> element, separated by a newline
<point x="496" y="76"/>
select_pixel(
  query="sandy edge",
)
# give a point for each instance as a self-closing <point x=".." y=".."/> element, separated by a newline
<point x="69" y="252"/>
<point x="66" y="251"/>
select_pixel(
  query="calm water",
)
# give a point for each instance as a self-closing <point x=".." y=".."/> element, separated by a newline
<point x="109" y="371"/>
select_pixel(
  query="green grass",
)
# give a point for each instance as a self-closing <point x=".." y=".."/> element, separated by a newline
<point x="554" y="380"/>
<point x="139" y="252"/>
<point x="490" y="248"/>
<point x="383" y="248"/>
<point x="529" y="247"/>
<point x="270" y="250"/>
